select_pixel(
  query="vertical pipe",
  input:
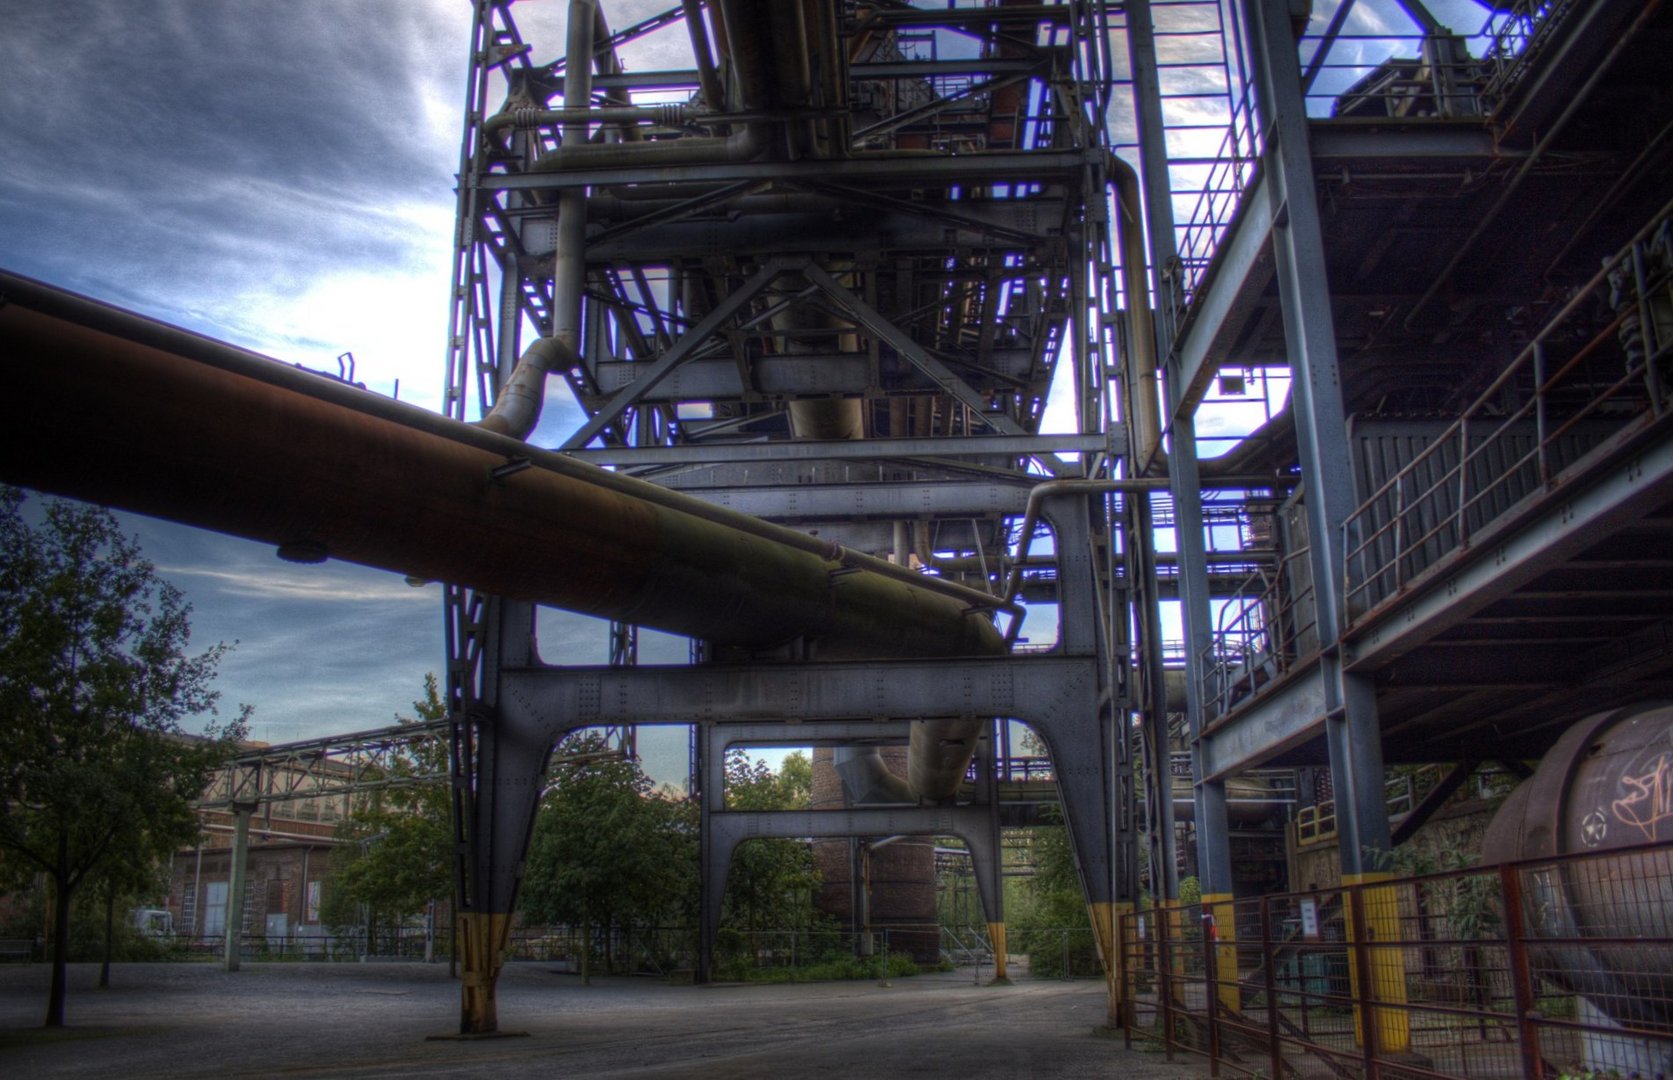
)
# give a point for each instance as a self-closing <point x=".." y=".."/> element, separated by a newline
<point x="1359" y="970"/>
<point x="517" y="407"/>
<point x="197" y="893"/>
<point x="235" y="882"/>
<point x="708" y="80"/>
<point x="1164" y="959"/>
<point x="1145" y="417"/>
<point x="1211" y="983"/>
<point x="306" y="852"/>
<point x="569" y="267"/>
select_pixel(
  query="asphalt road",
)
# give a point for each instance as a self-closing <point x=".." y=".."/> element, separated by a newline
<point x="371" y="1020"/>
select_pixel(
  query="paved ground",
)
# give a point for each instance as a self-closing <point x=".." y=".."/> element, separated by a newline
<point x="355" y="1020"/>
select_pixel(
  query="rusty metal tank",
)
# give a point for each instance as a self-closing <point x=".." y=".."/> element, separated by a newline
<point x="1606" y="785"/>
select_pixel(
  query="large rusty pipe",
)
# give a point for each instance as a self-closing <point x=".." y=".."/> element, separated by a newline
<point x="143" y="416"/>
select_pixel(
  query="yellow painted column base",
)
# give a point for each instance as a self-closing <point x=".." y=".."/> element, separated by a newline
<point x="996" y="937"/>
<point x="483" y="937"/>
<point x="1224" y="911"/>
<point x="1106" y="922"/>
<point x="1388" y="966"/>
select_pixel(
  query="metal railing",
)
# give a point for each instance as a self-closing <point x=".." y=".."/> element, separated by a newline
<point x="1317" y="823"/>
<point x="343" y="944"/>
<point x="1538" y="968"/>
<point x="1515" y="38"/>
<point x="1225" y="175"/>
<point x="1380" y="74"/>
<point x="1578" y="370"/>
<point x="1268" y="625"/>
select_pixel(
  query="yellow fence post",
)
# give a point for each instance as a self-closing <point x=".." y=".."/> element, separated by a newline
<point x="1223" y="913"/>
<point x="1379" y="904"/>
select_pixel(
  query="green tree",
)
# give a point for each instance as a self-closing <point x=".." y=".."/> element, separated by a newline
<point x="607" y="854"/>
<point x="771" y="883"/>
<point x="1054" y="928"/>
<point x="395" y="849"/>
<point x="128" y="875"/>
<point x="94" y="682"/>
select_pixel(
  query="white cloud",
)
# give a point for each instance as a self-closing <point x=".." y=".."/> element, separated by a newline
<point x="303" y="585"/>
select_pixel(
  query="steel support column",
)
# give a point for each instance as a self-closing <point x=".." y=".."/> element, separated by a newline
<point x="990" y="880"/>
<point x="1061" y="697"/>
<point x="1351" y="728"/>
<point x="240" y="857"/>
<point x="501" y="749"/>
<point x="1208" y="795"/>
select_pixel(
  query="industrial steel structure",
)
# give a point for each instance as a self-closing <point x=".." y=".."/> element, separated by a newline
<point x="826" y="273"/>
<point x="814" y="291"/>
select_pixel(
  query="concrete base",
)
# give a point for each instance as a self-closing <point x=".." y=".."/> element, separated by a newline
<point x="1621" y="1054"/>
<point x="464" y="1036"/>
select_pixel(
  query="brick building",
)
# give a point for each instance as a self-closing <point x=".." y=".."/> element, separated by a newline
<point x="285" y="879"/>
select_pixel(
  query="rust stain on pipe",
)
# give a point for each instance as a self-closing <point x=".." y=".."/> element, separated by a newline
<point x="144" y="428"/>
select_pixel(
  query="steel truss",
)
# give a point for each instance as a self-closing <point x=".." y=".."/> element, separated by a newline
<point x="799" y="285"/>
<point x="360" y="761"/>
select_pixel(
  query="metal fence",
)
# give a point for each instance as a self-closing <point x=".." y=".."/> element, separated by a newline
<point x="1541" y="968"/>
<point x="383" y="943"/>
<point x="658" y="950"/>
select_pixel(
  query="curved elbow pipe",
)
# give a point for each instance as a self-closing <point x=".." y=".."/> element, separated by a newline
<point x="866" y="779"/>
<point x="517" y="407"/>
<point x="518" y="403"/>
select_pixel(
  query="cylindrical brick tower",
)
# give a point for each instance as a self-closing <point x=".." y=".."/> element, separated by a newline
<point x="902" y="873"/>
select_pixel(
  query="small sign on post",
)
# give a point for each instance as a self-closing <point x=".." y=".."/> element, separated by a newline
<point x="1310" y="920"/>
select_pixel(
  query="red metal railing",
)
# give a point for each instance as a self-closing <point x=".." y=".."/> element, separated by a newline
<point x="1539" y="968"/>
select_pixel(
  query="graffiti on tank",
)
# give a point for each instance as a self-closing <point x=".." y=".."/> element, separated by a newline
<point x="1649" y="801"/>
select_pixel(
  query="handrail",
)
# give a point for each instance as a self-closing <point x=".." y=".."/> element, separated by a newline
<point x="1451" y="75"/>
<point x="1429" y="508"/>
<point x="1255" y="639"/>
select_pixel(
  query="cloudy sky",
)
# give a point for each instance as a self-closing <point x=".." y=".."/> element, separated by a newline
<point x="280" y="176"/>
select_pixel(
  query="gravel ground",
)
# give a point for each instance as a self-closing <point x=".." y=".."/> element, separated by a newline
<point x="369" y="1020"/>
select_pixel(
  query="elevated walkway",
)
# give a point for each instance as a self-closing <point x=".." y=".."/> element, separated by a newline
<point x="1510" y="444"/>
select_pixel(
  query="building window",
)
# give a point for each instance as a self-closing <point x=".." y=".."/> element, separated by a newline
<point x="214" y="908"/>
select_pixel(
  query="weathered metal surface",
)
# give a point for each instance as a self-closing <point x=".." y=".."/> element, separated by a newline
<point x="293" y="461"/>
<point x="1607" y="784"/>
